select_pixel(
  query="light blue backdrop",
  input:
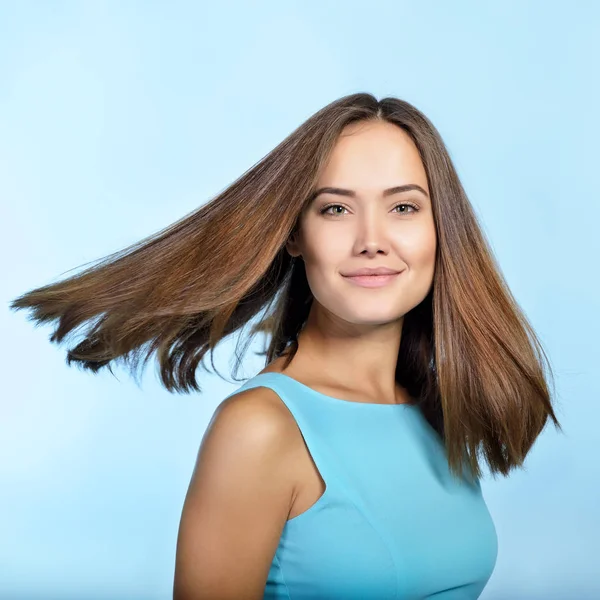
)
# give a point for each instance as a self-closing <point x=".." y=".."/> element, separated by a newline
<point x="117" y="118"/>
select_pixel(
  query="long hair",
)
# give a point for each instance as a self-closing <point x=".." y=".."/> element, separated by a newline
<point x="468" y="353"/>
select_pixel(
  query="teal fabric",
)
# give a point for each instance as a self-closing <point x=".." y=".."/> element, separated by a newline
<point x="393" y="522"/>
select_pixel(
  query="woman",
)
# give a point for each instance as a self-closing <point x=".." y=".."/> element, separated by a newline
<point x="348" y="467"/>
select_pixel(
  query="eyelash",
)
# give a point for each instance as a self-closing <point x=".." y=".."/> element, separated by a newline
<point x="326" y="208"/>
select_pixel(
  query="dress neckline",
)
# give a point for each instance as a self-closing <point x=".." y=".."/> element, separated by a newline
<point x="340" y="401"/>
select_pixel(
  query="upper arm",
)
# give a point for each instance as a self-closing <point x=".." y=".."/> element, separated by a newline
<point x="237" y="502"/>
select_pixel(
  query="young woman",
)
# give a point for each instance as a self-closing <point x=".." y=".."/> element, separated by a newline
<point x="397" y="359"/>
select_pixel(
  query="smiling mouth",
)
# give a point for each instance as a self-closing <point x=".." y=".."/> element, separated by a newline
<point x="372" y="280"/>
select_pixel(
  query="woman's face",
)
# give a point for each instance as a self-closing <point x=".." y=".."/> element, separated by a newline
<point x="367" y="228"/>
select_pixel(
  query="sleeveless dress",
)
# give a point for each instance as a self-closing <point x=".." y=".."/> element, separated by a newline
<point x="393" y="522"/>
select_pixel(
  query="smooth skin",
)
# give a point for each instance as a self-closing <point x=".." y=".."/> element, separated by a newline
<point x="253" y="470"/>
<point x="240" y="496"/>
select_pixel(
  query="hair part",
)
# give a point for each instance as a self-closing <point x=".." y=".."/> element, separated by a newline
<point x="467" y="353"/>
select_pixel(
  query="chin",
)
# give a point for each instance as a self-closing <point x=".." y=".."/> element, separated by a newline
<point x="364" y="316"/>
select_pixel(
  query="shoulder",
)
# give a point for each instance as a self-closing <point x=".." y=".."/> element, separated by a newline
<point x="257" y="412"/>
<point x="253" y="424"/>
<point x="248" y="448"/>
<point x="239" y="498"/>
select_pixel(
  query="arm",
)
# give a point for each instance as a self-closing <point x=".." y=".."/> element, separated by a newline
<point x="238" y="501"/>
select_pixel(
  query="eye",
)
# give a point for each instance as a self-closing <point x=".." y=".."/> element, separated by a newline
<point x="326" y="208"/>
<point x="413" y="206"/>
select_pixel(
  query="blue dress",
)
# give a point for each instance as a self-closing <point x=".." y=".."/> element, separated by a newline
<point x="393" y="522"/>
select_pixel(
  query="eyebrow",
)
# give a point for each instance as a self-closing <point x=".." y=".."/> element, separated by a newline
<point x="352" y="194"/>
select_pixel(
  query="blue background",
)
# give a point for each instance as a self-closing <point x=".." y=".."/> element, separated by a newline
<point x="118" y="118"/>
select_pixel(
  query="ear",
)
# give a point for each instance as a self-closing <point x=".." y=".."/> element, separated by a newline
<point x="292" y="245"/>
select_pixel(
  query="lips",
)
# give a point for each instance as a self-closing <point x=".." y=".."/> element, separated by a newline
<point x="372" y="280"/>
<point x="372" y="271"/>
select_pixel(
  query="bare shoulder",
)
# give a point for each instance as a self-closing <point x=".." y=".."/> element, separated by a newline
<point x="254" y="428"/>
<point x="259" y="414"/>
<point x="239" y="499"/>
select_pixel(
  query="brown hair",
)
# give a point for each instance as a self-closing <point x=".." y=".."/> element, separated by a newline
<point x="467" y="353"/>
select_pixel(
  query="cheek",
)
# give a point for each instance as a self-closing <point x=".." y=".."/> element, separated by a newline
<point x="421" y="258"/>
<point x="323" y="258"/>
<point x="417" y="247"/>
<point x="326" y="250"/>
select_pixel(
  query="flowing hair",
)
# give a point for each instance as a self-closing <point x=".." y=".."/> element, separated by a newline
<point x="468" y="353"/>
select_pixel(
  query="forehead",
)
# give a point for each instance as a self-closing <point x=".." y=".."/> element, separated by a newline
<point x="373" y="155"/>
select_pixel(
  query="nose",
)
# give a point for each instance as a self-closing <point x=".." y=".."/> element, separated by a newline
<point x="372" y="235"/>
